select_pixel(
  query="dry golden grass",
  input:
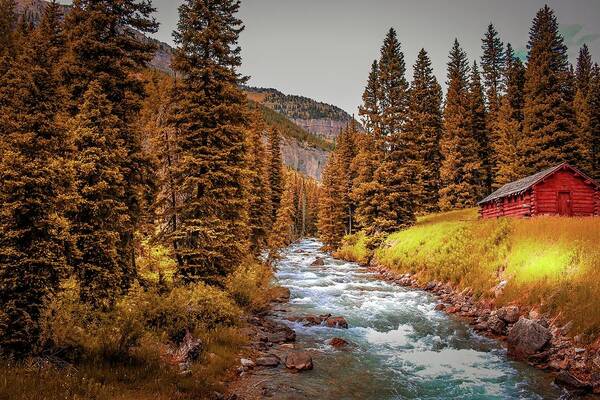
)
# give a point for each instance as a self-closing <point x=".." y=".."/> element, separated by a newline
<point x="549" y="262"/>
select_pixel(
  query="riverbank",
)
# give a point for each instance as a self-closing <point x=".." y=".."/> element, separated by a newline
<point x="494" y="272"/>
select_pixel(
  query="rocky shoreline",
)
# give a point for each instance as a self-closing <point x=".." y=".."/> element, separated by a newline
<point x="528" y="335"/>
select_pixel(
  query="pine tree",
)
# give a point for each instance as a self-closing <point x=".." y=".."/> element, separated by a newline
<point x="460" y="170"/>
<point x="594" y="107"/>
<point x="332" y="212"/>
<point x="369" y="153"/>
<point x="509" y="137"/>
<point x="283" y="232"/>
<point x="346" y="152"/>
<point x="7" y="39"/>
<point x="369" y="110"/>
<point x="275" y="171"/>
<point x="583" y="112"/>
<point x="101" y="210"/>
<point x="583" y="71"/>
<point x="105" y="47"/>
<point x="481" y="134"/>
<point x="36" y="185"/>
<point x="396" y="175"/>
<point x="259" y="192"/>
<point x="425" y="124"/>
<point x="549" y="121"/>
<point x="210" y="117"/>
<point x="492" y="63"/>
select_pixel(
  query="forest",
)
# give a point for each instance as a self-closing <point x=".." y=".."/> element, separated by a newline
<point x="142" y="213"/>
<point x="500" y="120"/>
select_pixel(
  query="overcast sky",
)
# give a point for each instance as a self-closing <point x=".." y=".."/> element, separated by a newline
<point x="323" y="49"/>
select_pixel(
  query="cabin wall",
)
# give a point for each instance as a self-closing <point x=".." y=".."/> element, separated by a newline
<point x="512" y="206"/>
<point x="583" y="196"/>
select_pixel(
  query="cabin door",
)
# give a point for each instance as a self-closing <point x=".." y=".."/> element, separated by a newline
<point x="564" y="204"/>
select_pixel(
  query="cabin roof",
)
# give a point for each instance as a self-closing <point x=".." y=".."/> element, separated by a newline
<point x="520" y="186"/>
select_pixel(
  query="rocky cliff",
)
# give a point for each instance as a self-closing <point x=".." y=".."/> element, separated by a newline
<point x="308" y="160"/>
<point x="324" y="127"/>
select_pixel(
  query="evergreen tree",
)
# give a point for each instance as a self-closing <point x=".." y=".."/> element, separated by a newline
<point x="461" y="165"/>
<point x="594" y="107"/>
<point x="396" y="175"/>
<point x="583" y="112"/>
<point x="507" y="145"/>
<point x="369" y="110"/>
<point x="424" y="122"/>
<point x="332" y="212"/>
<point x="346" y="152"/>
<point x="275" y="170"/>
<point x="7" y="39"/>
<point x="210" y="117"/>
<point x="549" y="121"/>
<point x="283" y="232"/>
<point x="105" y="47"/>
<point x="259" y="192"/>
<point x="583" y="71"/>
<point x="492" y="63"/>
<point x="481" y="134"/>
<point x="35" y="175"/>
<point x="369" y="153"/>
<point x="101" y="210"/>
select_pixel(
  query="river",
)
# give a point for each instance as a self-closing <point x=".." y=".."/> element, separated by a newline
<point x="403" y="348"/>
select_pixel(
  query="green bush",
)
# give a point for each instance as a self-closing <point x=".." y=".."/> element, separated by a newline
<point x="248" y="285"/>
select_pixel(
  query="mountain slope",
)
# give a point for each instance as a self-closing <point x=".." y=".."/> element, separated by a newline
<point x="321" y="119"/>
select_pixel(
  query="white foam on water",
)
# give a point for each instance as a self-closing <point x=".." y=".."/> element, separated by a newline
<point x="399" y="337"/>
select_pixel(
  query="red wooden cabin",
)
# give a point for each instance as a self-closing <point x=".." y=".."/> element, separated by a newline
<point x="560" y="190"/>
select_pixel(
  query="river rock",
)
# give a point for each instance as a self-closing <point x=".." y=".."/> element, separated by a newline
<point x="527" y="337"/>
<point x="268" y="361"/>
<point x="338" y="342"/>
<point x="299" y="361"/>
<point x="440" y="307"/>
<point x="280" y="294"/>
<point x="509" y="314"/>
<point x="564" y="378"/>
<point x="247" y="363"/>
<point x="496" y="325"/>
<point x="281" y="334"/>
<point x="336" y="322"/>
<point x="319" y="262"/>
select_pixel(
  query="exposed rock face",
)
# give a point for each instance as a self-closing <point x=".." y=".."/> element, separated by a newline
<point x="300" y="361"/>
<point x="305" y="159"/>
<point x="527" y="337"/>
<point x="324" y="127"/>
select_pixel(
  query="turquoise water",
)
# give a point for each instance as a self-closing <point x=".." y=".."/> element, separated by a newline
<point x="403" y="348"/>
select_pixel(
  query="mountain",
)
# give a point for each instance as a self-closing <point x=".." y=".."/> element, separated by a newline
<point x="321" y="119"/>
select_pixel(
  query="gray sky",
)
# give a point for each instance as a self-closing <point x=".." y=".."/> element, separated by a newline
<point x="323" y="49"/>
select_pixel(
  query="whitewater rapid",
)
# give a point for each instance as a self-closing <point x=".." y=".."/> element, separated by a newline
<point x="402" y="347"/>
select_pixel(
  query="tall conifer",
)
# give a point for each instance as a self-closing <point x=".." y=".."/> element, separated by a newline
<point x="461" y="165"/>
<point x="549" y="120"/>
<point x="210" y="117"/>
<point x="481" y="134"/>
<point x="36" y="186"/>
<point x="594" y="107"/>
<point x="275" y="171"/>
<point x="424" y="122"/>
<point x="396" y="175"/>
<point x="509" y="136"/>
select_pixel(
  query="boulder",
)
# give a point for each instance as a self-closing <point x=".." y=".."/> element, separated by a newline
<point x="281" y="334"/>
<point x="496" y="325"/>
<point x="247" y="363"/>
<point x="440" y="307"/>
<point x="527" y="337"/>
<point x="280" y="294"/>
<point x="338" y="342"/>
<point x="318" y="262"/>
<point x="299" y="361"/>
<point x="268" y="361"/>
<point x="564" y="378"/>
<point x="509" y="314"/>
<point x="336" y="322"/>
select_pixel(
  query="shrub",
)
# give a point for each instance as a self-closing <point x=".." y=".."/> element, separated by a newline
<point x="248" y="285"/>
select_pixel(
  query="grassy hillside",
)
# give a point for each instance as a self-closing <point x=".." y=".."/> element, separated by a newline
<point x="549" y="261"/>
<point x="289" y="129"/>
